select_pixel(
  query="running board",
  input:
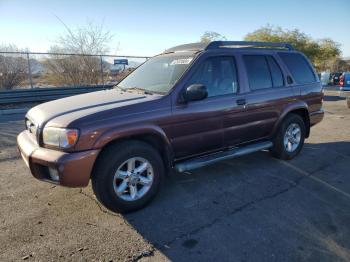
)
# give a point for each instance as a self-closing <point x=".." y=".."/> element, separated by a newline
<point x="213" y="158"/>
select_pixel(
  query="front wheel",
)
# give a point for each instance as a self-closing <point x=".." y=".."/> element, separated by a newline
<point x="289" y="139"/>
<point x="127" y="176"/>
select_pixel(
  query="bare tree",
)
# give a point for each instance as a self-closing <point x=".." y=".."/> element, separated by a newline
<point x="78" y="69"/>
<point x="13" y="69"/>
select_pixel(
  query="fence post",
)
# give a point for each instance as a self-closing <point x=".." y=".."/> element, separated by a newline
<point x="103" y="83"/>
<point x="29" y="71"/>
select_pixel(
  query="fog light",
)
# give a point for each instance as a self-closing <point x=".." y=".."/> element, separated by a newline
<point x="54" y="174"/>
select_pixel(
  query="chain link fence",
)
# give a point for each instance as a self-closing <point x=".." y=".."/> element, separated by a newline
<point x="23" y="70"/>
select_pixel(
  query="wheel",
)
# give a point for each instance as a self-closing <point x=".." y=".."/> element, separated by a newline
<point x="127" y="176"/>
<point x="348" y="101"/>
<point x="290" y="137"/>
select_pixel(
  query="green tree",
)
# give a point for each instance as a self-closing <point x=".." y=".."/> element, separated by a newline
<point x="320" y="52"/>
<point x="209" y="36"/>
<point x="340" y="65"/>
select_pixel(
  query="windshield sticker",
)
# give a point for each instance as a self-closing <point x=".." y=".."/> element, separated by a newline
<point x="183" y="61"/>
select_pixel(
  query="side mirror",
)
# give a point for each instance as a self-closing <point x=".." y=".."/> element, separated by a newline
<point x="195" y="92"/>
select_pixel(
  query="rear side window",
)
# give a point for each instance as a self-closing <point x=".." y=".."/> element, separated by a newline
<point x="276" y="73"/>
<point x="258" y="72"/>
<point x="298" y="67"/>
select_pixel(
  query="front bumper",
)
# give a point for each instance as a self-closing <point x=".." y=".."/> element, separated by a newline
<point x="344" y="91"/>
<point x="73" y="169"/>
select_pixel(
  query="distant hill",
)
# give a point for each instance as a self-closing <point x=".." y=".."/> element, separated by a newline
<point x="37" y="67"/>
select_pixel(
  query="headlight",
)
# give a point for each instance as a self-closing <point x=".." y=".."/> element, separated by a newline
<point x="60" y="137"/>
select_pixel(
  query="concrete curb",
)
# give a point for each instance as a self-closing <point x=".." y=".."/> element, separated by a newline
<point x="4" y="112"/>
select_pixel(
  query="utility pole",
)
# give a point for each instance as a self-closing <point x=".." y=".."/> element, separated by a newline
<point x="103" y="83"/>
<point x="29" y="71"/>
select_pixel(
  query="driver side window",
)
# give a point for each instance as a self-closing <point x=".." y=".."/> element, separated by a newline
<point x="218" y="74"/>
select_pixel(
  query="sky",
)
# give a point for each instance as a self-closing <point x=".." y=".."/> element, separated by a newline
<point x="148" y="27"/>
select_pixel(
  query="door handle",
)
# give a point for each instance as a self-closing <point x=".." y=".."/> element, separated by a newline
<point x="241" y="102"/>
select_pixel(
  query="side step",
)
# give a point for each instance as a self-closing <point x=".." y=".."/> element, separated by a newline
<point x="213" y="158"/>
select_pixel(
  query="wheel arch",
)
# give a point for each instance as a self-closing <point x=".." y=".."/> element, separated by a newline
<point x="302" y="111"/>
<point x="152" y="136"/>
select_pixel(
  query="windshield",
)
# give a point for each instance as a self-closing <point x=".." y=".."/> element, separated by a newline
<point x="158" y="74"/>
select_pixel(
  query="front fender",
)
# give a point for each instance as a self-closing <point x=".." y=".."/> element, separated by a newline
<point x="131" y="131"/>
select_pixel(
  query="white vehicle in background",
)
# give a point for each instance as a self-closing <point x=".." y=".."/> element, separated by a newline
<point x="325" y="78"/>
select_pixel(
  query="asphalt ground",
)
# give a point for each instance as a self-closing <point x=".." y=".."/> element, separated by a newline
<point x="254" y="208"/>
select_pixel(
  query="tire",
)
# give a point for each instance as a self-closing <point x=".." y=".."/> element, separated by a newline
<point x="115" y="160"/>
<point x="280" y="149"/>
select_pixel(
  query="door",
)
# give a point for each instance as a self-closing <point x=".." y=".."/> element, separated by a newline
<point x="266" y="97"/>
<point x="198" y="125"/>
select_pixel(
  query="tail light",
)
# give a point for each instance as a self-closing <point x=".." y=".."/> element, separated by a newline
<point x="341" y="81"/>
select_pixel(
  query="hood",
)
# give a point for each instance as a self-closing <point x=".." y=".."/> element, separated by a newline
<point x="85" y="104"/>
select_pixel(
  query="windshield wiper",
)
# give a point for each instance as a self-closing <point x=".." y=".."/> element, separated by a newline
<point x="130" y="89"/>
<point x="147" y="92"/>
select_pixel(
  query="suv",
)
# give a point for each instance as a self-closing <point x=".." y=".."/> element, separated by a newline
<point x="189" y="107"/>
<point x="344" y="83"/>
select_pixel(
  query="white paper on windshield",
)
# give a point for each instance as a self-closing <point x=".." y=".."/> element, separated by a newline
<point x="182" y="61"/>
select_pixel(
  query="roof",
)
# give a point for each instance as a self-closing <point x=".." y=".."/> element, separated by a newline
<point x="227" y="44"/>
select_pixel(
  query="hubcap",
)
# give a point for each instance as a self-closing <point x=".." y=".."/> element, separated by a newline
<point x="133" y="179"/>
<point x="292" y="137"/>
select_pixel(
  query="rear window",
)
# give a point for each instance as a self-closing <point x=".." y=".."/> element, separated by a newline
<point x="258" y="72"/>
<point x="276" y="73"/>
<point x="298" y="67"/>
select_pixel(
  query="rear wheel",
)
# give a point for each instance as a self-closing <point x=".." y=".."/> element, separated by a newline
<point x="290" y="137"/>
<point x="127" y="176"/>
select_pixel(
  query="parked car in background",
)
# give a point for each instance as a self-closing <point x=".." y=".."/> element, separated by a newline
<point x="189" y="107"/>
<point x="335" y="78"/>
<point x="344" y="82"/>
<point x="345" y="87"/>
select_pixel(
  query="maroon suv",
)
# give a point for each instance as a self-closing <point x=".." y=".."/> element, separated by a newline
<point x="191" y="106"/>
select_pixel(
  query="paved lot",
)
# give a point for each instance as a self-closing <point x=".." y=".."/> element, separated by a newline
<point x="254" y="208"/>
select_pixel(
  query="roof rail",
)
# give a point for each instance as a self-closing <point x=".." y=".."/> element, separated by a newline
<point x="240" y="44"/>
<point x="187" y="47"/>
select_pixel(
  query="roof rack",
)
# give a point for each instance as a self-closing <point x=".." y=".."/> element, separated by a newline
<point x="187" y="47"/>
<point x="245" y="44"/>
<point x="227" y="44"/>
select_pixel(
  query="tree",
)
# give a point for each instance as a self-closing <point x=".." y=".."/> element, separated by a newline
<point x="13" y="69"/>
<point x="340" y="65"/>
<point x="78" y="69"/>
<point x="320" y="52"/>
<point x="209" y="36"/>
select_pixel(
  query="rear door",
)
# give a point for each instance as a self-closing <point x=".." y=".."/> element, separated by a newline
<point x="266" y="95"/>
